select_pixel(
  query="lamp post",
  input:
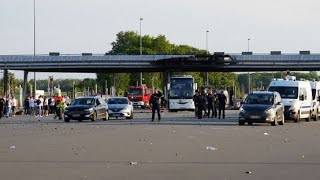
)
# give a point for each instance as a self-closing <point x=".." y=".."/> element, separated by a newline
<point x="249" y="80"/>
<point x="34" y="45"/>
<point x="140" y="49"/>
<point x="207" y="32"/>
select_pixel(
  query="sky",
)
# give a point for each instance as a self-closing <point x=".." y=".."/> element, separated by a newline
<point x="77" y="26"/>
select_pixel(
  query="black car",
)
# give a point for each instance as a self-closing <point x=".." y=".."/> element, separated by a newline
<point x="82" y="108"/>
<point x="262" y="107"/>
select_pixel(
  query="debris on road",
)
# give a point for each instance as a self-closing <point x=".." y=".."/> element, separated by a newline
<point x="266" y="134"/>
<point x="211" y="148"/>
<point x="12" y="147"/>
<point x="133" y="163"/>
<point x="248" y="172"/>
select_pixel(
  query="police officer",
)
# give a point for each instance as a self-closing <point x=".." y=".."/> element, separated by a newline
<point x="195" y="99"/>
<point x="215" y="104"/>
<point x="201" y="102"/>
<point x="211" y="100"/>
<point x="155" y="102"/>
<point x="222" y="104"/>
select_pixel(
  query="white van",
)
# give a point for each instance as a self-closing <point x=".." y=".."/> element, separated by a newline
<point x="296" y="97"/>
<point x="315" y="86"/>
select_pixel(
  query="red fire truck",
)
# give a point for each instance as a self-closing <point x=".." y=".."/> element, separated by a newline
<point x="139" y="95"/>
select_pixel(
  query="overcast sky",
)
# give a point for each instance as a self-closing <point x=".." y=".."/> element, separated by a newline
<point x="76" y="26"/>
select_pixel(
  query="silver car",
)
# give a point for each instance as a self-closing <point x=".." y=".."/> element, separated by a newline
<point x="120" y="107"/>
<point x="262" y="107"/>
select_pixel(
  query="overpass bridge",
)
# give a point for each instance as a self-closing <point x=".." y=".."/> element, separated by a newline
<point x="218" y="62"/>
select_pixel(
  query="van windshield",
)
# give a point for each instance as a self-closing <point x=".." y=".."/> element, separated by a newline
<point x="285" y="92"/>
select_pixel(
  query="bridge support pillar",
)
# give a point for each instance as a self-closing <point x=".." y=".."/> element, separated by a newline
<point x="25" y="85"/>
<point x="5" y="82"/>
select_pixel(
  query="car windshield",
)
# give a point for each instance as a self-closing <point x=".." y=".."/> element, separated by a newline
<point x="259" y="99"/>
<point x="83" y="101"/>
<point x="118" y="101"/>
<point x="135" y="92"/>
<point x="286" y="92"/>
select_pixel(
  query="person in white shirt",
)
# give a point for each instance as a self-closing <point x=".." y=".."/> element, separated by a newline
<point x="31" y="105"/>
<point x="13" y="106"/>
<point x="45" y="106"/>
<point x="8" y="106"/>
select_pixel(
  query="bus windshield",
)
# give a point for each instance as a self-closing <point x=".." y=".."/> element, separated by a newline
<point x="181" y="88"/>
<point x="286" y="92"/>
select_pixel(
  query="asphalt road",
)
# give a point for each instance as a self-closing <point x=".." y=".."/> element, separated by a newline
<point x="178" y="147"/>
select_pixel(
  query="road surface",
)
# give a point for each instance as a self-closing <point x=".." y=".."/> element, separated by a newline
<point x="178" y="147"/>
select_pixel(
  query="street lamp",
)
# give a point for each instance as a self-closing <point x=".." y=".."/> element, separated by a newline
<point x="207" y="32"/>
<point x="34" y="45"/>
<point x="140" y="49"/>
<point x="249" y="80"/>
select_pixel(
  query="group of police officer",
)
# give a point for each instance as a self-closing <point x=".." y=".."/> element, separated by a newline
<point x="209" y="103"/>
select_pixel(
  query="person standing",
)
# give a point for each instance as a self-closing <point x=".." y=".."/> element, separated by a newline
<point x="2" y="103"/>
<point x="215" y="104"/>
<point x="8" y="107"/>
<point x="196" y="103"/>
<point x="37" y="107"/>
<point x="201" y="103"/>
<point x="222" y="104"/>
<point x="41" y="106"/>
<point x="31" y="105"/>
<point x="155" y="102"/>
<point x="211" y="101"/>
<point x="45" y="106"/>
<point x="13" y="106"/>
<point x="26" y="106"/>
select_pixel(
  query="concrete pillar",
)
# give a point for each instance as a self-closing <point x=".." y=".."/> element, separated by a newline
<point x="34" y="84"/>
<point x="25" y="84"/>
<point x="5" y="82"/>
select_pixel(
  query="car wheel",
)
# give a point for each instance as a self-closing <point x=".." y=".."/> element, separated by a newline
<point x="250" y="123"/>
<point x="282" y="120"/>
<point x="241" y="123"/>
<point x="275" y="122"/>
<point x="79" y="120"/>
<point x="66" y="119"/>
<point x="298" y="118"/>
<point x="94" y="116"/>
<point x="131" y="116"/>
<point x="106" y="116"/>
<point x="309" y="117"/>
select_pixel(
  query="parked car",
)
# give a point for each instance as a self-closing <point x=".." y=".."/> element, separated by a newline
<point x="91" y="108"/>
<point x="262" y="107"/>
<point x="120" y="107"/>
